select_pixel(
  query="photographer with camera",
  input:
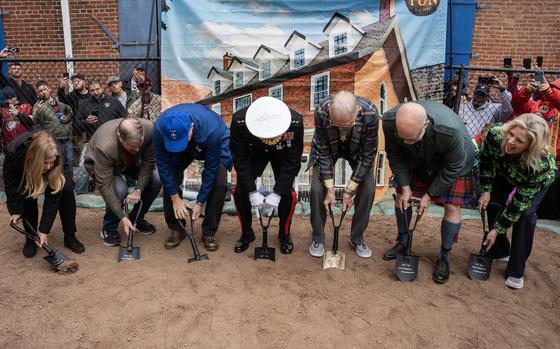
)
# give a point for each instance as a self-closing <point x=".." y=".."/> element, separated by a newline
<point x="481" y="110"/>
<point x="24" y="91"/>
<point x="15" y="116"/>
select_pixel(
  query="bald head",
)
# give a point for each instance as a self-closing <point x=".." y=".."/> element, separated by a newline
<point x="131" y="131"/>
<point x="411" y="119"/>
<point x="343" y="108"/>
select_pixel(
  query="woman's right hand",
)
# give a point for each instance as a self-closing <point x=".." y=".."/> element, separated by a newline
<point x="483" y="201"/>
<point x="15" y="218"/>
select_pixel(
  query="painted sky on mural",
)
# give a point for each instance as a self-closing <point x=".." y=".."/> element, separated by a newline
<point x="200" y="32"/>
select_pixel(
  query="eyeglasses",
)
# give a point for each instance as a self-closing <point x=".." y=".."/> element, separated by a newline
<point x="342" y="126"/>
<point x="416" y="139"/>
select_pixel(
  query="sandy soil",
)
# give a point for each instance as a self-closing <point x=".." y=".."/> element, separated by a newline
<point x="233" y="301"/>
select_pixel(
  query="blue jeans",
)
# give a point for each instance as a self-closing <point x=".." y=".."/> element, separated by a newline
<point x="150" y="193"/>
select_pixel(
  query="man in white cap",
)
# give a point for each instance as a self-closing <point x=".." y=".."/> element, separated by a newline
<point x="266" y="131"/>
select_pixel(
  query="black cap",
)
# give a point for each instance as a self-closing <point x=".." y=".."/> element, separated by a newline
<point x="9" y="92"/>
<point x="139" y="67"/>
<point x="78" y="76"/>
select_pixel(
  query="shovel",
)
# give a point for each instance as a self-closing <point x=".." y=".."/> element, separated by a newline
<point x="265" y="252"/>
<point x="335" y="258"/>
<point x="129" y="252"/>
<point x="56" y="259"/>
<point x="406" y="265"/>
<point x="197" y="256"/>
<point x="480" y="265"/>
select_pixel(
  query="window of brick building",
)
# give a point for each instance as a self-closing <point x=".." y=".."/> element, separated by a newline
<point x="276" y="92"/>
<point x="242" y="102"/>
<point x="319" y="88"/>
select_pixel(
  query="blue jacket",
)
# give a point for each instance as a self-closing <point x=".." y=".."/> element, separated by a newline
<point x="209" y="142"/>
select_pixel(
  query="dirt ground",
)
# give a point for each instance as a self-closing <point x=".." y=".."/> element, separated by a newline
<point x="233" y="301"/>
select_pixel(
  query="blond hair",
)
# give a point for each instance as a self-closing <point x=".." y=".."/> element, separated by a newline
<point x="537" y="131"/>
<point x="42" y="147"/>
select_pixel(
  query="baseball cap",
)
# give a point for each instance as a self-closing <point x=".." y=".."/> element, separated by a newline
<point x="78" y="76"/>
<point x="112" y="79"/>
<point x="9" y="92"/>
<point x="176" y="127"/>
<point x="268" y="117"/>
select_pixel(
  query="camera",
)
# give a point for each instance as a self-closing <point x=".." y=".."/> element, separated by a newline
<point x="13" y="49"/>
<point x="539" y="77"/>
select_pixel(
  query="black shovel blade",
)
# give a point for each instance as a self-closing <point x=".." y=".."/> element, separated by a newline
<point x="55" y="259"/>
<point x="265" y="253"/>
<point x="479" y="267"/>
<point x="128" y="255"/>
<point x="406" y="267"/>
<point x="198" y="258"/>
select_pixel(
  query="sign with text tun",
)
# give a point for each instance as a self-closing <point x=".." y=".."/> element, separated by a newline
<point x="227" y="53"/>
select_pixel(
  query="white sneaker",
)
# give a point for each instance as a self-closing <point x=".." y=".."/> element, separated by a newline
<point x="516" y="283"/>
<point x="316" y="249"/>
<point x="362" y="250"/>
<point x="503" y="259"/>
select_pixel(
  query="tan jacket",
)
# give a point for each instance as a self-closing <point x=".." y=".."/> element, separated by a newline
<point x="105" y="159"/>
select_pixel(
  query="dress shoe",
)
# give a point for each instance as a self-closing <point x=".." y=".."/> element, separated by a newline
<point x="174" y="239"/>
<point x="392" y="253"/>
<point x="73" y="244"/>
<point x="30" y="248"/>
<point x="210" y="242"/>
<point x="243" y="244"/>
<point x="286" y="244"/>
<point x="441" y="271"/>
<point x="145" y="228"/>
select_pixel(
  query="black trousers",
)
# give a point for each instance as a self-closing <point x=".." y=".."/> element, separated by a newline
<point x="243" y="205"/>
<point x="523" y="230"/>
<point x="66" y="211"/>
<point x="214" y="205"/>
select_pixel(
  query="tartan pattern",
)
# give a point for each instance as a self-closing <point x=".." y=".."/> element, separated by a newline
<point x="460" y="193"/>
<point x="494" y="164"/>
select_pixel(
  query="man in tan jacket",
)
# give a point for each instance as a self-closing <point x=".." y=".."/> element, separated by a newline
<point x="121" y="152"/>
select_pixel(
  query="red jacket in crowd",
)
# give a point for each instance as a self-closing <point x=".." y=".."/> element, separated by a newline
<point x="13" y="126"/>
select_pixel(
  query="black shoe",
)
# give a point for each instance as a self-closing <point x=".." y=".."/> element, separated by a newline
<point x="145" y="228"/>
<point x="286" y="244"/>
<point x="441" y="271"/>
<point x="392" y="253"/>
<point x="74" y="244"/>
<point x="30" y="248"/>
<point x="243" y="244"/>
<point x="110" y="237"/>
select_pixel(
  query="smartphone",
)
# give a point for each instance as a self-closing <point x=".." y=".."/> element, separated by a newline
<point x="527" y="63"/>
<point x="66" y="75"/>
<point x="507" y="62"/>
<point x="539" y="77"/>
<point x="539" y="61"/>
<point x="95" y="113"/>
<point x="14" y="49"/>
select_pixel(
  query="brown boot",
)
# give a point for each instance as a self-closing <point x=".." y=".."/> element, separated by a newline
<point x="174" y="239"/>
<point x="210" y="243"/>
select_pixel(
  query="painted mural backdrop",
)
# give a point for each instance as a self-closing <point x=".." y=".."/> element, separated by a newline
<point x="227" y="53"/>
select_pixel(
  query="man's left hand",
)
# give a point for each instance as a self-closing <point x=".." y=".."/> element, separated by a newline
<point x="346" y="201"/>
<point x="424" y="204"/>
<point x="197" y="211"/>
<point x="133" y="197"/>
<point x="42" y="239"/>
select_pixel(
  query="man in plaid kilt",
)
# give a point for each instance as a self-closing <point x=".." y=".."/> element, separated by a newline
<point x="432" y="156"/>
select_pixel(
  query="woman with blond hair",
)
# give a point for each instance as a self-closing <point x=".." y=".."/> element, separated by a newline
<point x="515" y="156"/>
<point x="33" y="166"/>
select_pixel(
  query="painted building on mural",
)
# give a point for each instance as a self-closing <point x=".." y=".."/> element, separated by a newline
<point x="370" y="61"/>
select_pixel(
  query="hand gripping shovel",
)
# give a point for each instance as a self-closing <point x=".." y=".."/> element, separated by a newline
<point x="406" y="265"/>
<point x="480" y="265"/>
<point x="335" y="258"/>
<point x="56" y="259"/>
<point x="265" y="252"/>
<point x="197" y="256"/>
<point x="129" y="252"/>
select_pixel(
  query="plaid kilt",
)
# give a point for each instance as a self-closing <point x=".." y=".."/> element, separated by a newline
<point x="460" y="193"/>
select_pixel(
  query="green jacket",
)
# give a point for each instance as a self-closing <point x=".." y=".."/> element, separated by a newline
<point x="46" y="117"/>
<point x="445" y="152"/>
<point x="494" y="164"/>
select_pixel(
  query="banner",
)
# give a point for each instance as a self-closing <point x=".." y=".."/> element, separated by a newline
<point x="225" y="54"/>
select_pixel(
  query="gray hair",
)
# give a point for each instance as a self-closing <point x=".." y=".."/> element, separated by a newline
<point x="343" y="105"/>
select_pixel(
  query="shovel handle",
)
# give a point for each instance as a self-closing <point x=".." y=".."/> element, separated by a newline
<point x="486" y="225"/>
<point x="264" y="227"/>
<point x="342" y="214"/>
<point x="31" y="236"/>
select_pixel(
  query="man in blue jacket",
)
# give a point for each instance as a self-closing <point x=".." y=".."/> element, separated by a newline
<point x="184" y="133"/>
